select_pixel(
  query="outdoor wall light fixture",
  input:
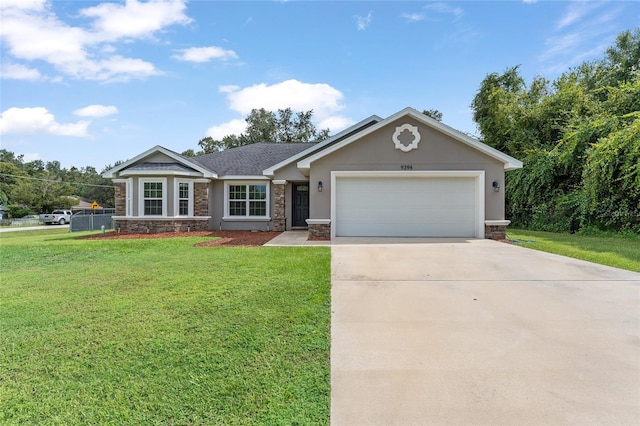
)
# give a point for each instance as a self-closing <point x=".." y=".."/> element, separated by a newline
<point x="496" y="186"/>
<point x="319" y="186"/>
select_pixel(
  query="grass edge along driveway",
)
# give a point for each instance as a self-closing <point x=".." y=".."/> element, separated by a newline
<point x="160" y="331"/>
<point x="619" y="251"/>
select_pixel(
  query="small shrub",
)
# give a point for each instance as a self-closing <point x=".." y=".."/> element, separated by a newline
<point x="18" y="211"/>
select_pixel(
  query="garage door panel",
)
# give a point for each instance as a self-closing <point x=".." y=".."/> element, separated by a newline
<point x="360" y="229"/>
<point x="405" y="206"/>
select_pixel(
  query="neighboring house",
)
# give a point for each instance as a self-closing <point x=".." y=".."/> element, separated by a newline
<point x="407" y="175"/>
<point x="81" y="204"/>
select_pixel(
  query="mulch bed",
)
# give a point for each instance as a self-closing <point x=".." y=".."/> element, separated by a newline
<point x="226" y="238"/>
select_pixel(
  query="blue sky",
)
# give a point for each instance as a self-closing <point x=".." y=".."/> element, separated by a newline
<point x="88" y="83"/>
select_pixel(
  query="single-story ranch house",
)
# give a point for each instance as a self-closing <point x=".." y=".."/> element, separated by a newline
<point x="407" y="175"/>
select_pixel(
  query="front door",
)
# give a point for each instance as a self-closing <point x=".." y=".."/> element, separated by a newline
<point x="300" y="204"/>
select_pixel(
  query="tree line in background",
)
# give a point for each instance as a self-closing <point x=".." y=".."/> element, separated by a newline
<point x="282" y="126"/>
<point x="579" y="139"/>
<point x="37" y="187"/>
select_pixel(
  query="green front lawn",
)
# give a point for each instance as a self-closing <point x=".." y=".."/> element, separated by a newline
<point x="620" y="251"/>
<point x="158" y="331"/>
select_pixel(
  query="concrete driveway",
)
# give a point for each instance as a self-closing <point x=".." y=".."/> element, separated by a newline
<point x="480" y="332"/>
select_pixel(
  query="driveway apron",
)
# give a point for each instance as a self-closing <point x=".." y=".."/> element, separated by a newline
<point x="478" y="332"/>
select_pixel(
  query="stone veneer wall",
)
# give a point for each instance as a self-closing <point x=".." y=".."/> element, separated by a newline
<point x="495" y="232"/>
<point x="120" y="195"/>
<point x="279" y="221"/>
<point x="323" y="232"/>
<point x="200" y="199"/>
<point x="156" y="226"/>
<point x="320" y="232"/>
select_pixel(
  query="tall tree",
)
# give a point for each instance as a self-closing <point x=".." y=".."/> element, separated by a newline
<point x="578" y="137"/>
<point x="623" y="58"/>
<point x="283" y="126"/>
<point x="494" y="105"/>
<point x="433" y="113"/>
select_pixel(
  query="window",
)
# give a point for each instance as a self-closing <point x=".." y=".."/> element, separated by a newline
<point x="237" y="200"/>
<point x="248" y="200"/>
<point x="183" y="197"/>
<point x="153" y="197"/>
<point x="257" y="200"/>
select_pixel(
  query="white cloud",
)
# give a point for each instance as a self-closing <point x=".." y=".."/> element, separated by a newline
<point x="135" y="19"/>
<point x="96" y="111"/>
<point x="205" y="54"/>
<point x="363" y="21"/>
<point x="42" y="36"/>
<point x="569" y="19"/>
<point x="233" y="127"/>
<point x="117" y="68"/>
<point x="560" y="45"/>
<point x="335" y="123"/>
<point x="413" y="17"/>
<point x="32" y="32"/>
<point x="446" y="9"/>
<point x="529" y="1"/>
<point x="583" y="32"/>
<point x="107" y="48"/>
<point x="33" y="5"/>
<point x="31" y="156"/>
<point x="11" y="71"/>
<point x="38" y="120"/>
<point x="324" y="100"/>
<point x="228" y="88"/>
<point x="435" y="12"/>
<point x="575" y="13"/>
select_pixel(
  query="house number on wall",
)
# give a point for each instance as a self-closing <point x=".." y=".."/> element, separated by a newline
<point x="406" y="167"/>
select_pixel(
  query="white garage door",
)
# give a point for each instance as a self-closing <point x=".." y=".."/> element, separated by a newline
<point x="405" y="206"/>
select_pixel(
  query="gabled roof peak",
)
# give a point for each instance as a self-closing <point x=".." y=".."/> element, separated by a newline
<point x="327" y="142"/>
<point x="509" y="162"/>
<point x="179" y="158"/>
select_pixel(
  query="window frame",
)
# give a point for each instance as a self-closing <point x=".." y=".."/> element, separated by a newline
<point x="142" y="199"/>
<point x="177" y="199"/>
<point x="129" y="197"/>
<point x="247" y="200"/>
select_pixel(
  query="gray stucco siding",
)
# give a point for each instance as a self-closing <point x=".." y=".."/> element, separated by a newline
<point x="217" y="207"/>
<point x="290" y="173"/>
<point x="377" y="152"/>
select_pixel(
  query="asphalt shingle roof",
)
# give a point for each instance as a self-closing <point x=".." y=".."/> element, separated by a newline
<point x="249" y="160"/>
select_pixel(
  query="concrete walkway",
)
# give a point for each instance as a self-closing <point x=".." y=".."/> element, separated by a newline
<point x="477" y="332"/>
<point x="294" y="239"/>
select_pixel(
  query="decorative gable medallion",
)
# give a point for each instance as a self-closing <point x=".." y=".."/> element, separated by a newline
<point x="413" y="130"/>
